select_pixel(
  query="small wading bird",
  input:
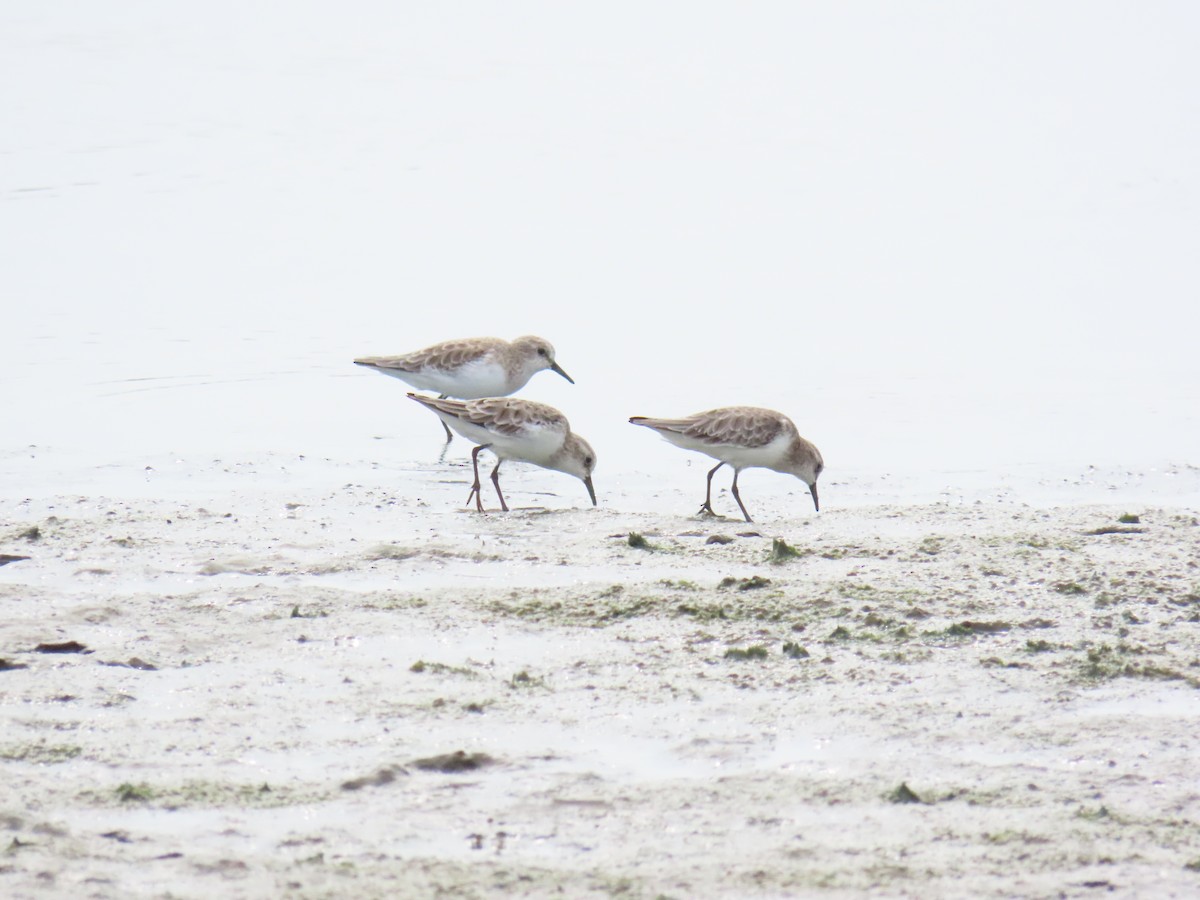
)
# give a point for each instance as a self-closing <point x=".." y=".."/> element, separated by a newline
<point x="515" y="429"/>
<point x="743" y="437"/>
<point x="470" y="368"/>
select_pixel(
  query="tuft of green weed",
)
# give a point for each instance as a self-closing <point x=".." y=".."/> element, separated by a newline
<point x="1130" y="519"/>
<point x="1105" y="662"/>
<point x="706" y="612"/>
<point x="524" y="680"/>
<point x="458" y="761"/>
<point x="631" y="609"/>
<point x="1102" y="663"/>
<point x="969" y="628"/>
<point x="40" y="753"/>
<point x="390" y="551"/>
<point x="794" y="651"/>
<point x="1069" y="587"/>
<point x="127" y="793"/>
<point x="1009" y="836"/>
<point x="995" y="662"/>
<point x="904" y="794"/>
<point x="638" y="542"/>
<point x="781" y="551"/>
<point x="753" y="583"/>
<point x="437" y="668"/>
<point x="535" y="610"/>
<point x="757" y="651"/>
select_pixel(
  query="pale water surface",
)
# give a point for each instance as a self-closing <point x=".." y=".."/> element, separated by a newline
<point x="957" y="245"/>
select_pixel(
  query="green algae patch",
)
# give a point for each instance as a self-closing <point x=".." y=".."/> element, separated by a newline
<point x="904" y="794"/>
<point x="203" y="795"/>
<point x="435" y="668"/>
<point x="1070" y="588"/>
<point x="782" y="551"/>
<point x="794" y="651"/>
<point x="740" y="654"/>
<point x="39" y="753"/>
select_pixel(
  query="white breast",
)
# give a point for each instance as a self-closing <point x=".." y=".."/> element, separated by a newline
<point x="767" y="456"/>
<point x="535" y="445"/>
<point x="481" y="378"/>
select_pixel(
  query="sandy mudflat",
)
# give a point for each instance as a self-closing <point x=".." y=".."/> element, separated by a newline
<point x="316" y="631"/>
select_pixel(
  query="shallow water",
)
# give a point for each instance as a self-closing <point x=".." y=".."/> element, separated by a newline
<point x="959" y="283"/>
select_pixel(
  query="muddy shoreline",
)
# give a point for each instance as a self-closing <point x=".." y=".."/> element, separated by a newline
<point x="985" y="700"/>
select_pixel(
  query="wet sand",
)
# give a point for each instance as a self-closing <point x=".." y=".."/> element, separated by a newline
<point x="310" y="678"/>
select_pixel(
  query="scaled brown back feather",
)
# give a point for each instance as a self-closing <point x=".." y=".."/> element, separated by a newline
<point x="746" y="426"/>
<point x="448" y="355"/>
<point x="504" y="415"/>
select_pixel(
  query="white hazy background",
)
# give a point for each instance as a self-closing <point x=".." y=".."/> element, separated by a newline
<point x="944" y="237"/>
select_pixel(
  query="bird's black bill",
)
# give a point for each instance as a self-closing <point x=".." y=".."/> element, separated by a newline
<point x="813" y="489"/>
<point x="555" y="367"/>
<point x="587" y="483"/>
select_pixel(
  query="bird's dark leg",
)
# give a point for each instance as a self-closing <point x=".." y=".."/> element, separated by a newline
<point x="496" y="482"/>
<point x="706" y="506"/>
<point x="449" y="435"/>
<point x="738" y="498"/>
<point x="475" y="487"/>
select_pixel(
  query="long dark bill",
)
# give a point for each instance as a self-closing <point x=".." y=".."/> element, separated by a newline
<point x="587" y="482"/>
<point x="555" y="367"/>
<point x="813" y="490"/>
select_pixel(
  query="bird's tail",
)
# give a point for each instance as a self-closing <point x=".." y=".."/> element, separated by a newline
<point x="382" y="363"/>
<point x="439" y="404"/>
<point x="675" y="425"/>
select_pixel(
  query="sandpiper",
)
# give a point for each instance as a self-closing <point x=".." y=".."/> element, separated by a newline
<point x="515" y="429"/>
<point x="470" y="368"/>
<point x="743" y="437"/>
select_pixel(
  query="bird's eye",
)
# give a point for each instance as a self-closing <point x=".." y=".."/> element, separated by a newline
<point x="587" y="461"/>
<point x="541" y="351"/>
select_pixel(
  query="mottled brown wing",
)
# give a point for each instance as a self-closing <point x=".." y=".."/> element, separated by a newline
<point x="448" y="355"/>
<point x="741" y="425"/>
<point x="453" y="407"/>
<point x="507" y="415"/>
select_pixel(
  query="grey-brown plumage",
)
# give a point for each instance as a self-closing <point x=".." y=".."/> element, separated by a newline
<point x="741" y="426"/>
<point x="470" y="368"/>
<point x="515" y="429"/>
<point x="743" y="437"/>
